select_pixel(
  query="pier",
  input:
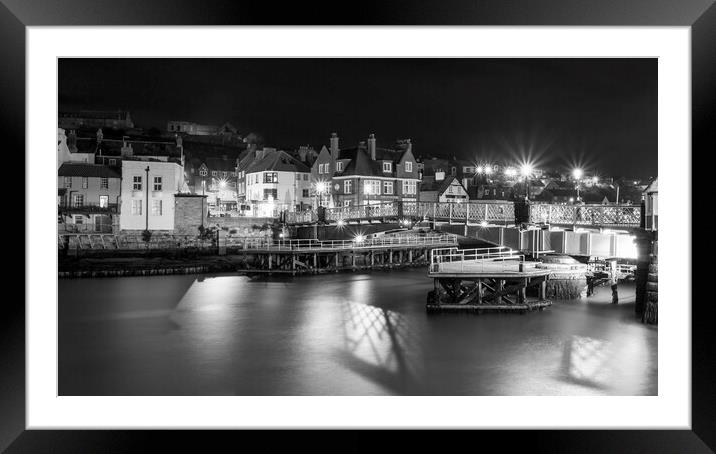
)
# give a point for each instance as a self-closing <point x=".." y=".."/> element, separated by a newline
<point x="485" y="279"/>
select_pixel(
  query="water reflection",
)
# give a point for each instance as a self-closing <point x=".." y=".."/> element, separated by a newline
<point x="585" y="361"/>
<point x="375" y="347"/>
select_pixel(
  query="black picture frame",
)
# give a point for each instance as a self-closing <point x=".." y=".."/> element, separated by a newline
<point x="700" y="15"/>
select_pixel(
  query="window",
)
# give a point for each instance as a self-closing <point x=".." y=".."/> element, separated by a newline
<point x="103" y="201"/>
<point x="213" y="173"/>
<point x="388" y="167"/>
<point x="387" y="187"/>
<point x="79" y="219"/>
<point x="137" y="183"/>
<point x="203" y="172"/>
<point x="85" y="182"/>
<point x="78" y="200"/>
<point x="136" y="207"/>
<point x="104" y="183"/>
<point x="408" y="166"/>
<point x="348" y="187"/>
<point x="157" y="183"/>
<point x="347" y="203"/>
<point x="409" y="187"/>
<point x="305" y="177"/>
<point x="113" y="162"/>
<point x="156" y="207"/>
<point x="453" y="171"/>
<point x="320" y="169"/>
<point x="270" y="177"/>
<point x="372" y="187"/>
<point x="68" y="182"/>
<point x="270" y="194"/>
<point x="224" y="174"/>
<point x="305" y="193"/>
<point x="339" y="166"/>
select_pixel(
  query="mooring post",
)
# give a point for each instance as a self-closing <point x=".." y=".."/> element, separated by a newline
<point x="479" y="291"/>
<point x="269" y="261"/>
<point x="293" y="264"/>
<point x="336" y="262"/>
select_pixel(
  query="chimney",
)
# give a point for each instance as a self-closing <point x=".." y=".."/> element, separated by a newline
<point x="334" y="146"/>
<point x="409" y="145"/>
<point x="302" y="152"/>
<point x="371" y="146"/>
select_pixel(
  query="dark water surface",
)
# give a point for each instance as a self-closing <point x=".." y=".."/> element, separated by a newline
<point x="340" y="334"/>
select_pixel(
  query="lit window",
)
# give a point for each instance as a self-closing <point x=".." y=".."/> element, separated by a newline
<point x="270" y="177"/>
<point x="104" y="183"/>
<point x="372" y="187"/>
<point x="409" y="187"/>
<point x="137" y="183"/>
<point x="157" y="183"/>
<point x="203" y="172"/>
<point x="305" y="177"/>
<point x="78" y="200"/>
<point x="68" y="182"/>
<point x="156" y="207"/>
<point x="339" y="166"/>
<point x="79" y="219"/>
<point x="408" y="166"/>
<point x="85" y="182"/>
<point x="136" y="207"/>
<point x="348" y="186"/>
<point x="387" y="167"/>
<point x="387" y="187"/>
<point x="103" y="201"/>
<point x="347" y="203"/>
<point x="213" y="173"/>
<point x="305" y="193"/>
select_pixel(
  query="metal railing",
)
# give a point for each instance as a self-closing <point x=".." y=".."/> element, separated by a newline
<point x="356" y="243"/>
<point x="494" y="259"/>
<point x="87" y="208"/>
<point x="499" y="212"/>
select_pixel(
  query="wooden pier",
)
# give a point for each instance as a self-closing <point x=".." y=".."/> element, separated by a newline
<point x="485" y="280"/>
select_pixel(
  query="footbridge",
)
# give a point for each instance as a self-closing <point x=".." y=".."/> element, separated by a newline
<point x="498" y="212"/>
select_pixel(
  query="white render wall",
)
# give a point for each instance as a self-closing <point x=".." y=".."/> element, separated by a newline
<point x="171" y="174"/>
<point x="289" y="188"/>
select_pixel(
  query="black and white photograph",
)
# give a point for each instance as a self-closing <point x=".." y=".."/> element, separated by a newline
<point x="357" y="226"/>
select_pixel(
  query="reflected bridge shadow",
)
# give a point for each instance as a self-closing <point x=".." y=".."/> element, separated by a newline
<point x="375" y="341"/>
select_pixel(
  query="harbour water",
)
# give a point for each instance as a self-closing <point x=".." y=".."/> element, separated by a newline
<point x="338" y="334"/>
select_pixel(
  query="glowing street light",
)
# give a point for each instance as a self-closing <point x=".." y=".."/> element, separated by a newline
<point x="510" y="172"/>
<point x="488" y="169"/>
<point x="480" y="169"/>
<point x="321" y="187"/>
<point x="359" y="238"/>
<point x="577" y="174"/>
<point x="595" y="180"/>
<point x="483" y="224"/>
<point x="526" y="171"/>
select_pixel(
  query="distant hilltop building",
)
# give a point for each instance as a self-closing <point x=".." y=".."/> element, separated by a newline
<point x="197" y="129"/>
<point x="83" y="119"/>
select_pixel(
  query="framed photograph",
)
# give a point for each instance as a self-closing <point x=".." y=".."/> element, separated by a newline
<point x="442" y="216"/>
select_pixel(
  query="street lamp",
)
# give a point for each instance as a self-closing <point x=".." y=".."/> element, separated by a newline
<point x="577" y="174"/>
<point x="321" y="188"/>
<point x="526" y="171"/>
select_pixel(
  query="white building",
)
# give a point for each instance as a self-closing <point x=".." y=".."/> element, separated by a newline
<point x="147" y="193"/>
<point x="274" y="181"/>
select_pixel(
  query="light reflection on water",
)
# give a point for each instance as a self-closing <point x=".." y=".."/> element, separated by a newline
<point x="343" y="334"/>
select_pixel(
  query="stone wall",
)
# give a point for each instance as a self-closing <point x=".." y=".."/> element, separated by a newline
<point x="190" y="212"/>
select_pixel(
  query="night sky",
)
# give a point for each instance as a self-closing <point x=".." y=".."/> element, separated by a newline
<point x="600" y="114"/>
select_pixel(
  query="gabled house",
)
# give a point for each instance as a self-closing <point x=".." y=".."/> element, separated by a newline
<point x="448" y="189"/>
<point x="365" y="174"/>
<point x="271" y="181"/>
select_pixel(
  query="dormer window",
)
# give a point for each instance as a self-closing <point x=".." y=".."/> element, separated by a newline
<point x="203" y="172"/>
<point x="339" y="166"/>
<point x="387" y="167"/>
<point x="409" y="166"/>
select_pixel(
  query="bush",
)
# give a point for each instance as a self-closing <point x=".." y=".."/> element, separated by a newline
<point x="147" y="236"/>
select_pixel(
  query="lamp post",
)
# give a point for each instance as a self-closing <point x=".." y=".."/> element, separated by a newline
<point x="577" y="174"/>
<point x="526" y="171"/>
<point x="146" y="209"/>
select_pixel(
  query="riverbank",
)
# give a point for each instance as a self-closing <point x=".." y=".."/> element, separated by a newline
<point x="161" y="266"/>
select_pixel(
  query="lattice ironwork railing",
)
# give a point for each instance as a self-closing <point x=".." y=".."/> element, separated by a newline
<point x="597" y="215"/>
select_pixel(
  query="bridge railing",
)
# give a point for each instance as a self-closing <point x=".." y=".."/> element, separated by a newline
<point x="358" y="242"/>
<point x="586" y="215"/>
<point x="454" y="260"/>
<point x="499" y="212"/>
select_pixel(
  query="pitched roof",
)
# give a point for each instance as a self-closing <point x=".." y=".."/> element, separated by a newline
<point x="277" y="160"/>
<point x="77" y="169"/>
<point x="361" y="163"/>
<point x="439" y="186"/>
